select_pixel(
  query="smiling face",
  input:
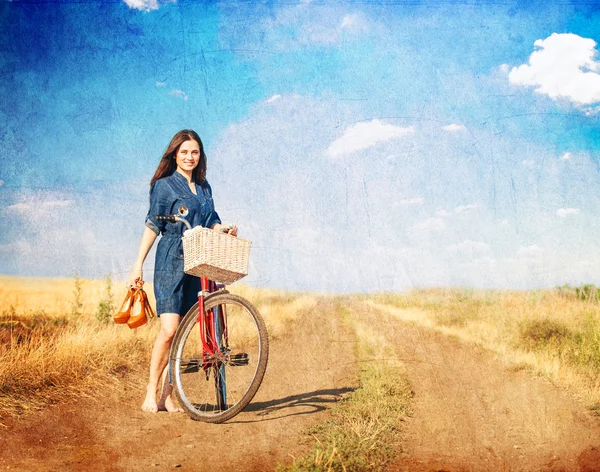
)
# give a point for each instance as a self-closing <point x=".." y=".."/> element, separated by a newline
<point x="188" y="156"/>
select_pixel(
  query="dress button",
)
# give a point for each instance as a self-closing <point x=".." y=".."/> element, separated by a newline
<point x="202" y="213"/>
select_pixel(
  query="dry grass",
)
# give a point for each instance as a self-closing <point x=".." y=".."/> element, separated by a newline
<point x="48" y="354"/>
<point x="278" y="308"/>
<point x="84" y="356"/>
<point x="550" y="332"/>
<point x="55" y="296"/>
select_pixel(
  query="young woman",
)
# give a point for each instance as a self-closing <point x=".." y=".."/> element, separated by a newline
<point x="179" y="180"/>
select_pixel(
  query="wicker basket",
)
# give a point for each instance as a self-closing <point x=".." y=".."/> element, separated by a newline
<point x="217" y="256"/>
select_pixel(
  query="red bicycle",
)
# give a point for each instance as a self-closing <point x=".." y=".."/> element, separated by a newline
<point x="219" y="353"/>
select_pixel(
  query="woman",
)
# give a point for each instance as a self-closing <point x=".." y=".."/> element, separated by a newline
<point x="179" y="180"/>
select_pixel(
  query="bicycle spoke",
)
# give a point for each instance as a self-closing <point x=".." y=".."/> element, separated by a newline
<point x="228" y="377"/>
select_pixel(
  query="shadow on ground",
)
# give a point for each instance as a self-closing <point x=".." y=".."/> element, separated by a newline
<point x="308" y="403"/>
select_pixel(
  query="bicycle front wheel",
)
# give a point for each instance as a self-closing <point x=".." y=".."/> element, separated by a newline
<point x="215" y="386"/>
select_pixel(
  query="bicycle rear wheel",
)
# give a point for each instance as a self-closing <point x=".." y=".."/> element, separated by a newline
<point x="216" y="387"/>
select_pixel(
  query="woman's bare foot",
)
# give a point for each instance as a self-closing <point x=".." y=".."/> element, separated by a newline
<point x="149" y="405"/>
<point x="169" y="405"/>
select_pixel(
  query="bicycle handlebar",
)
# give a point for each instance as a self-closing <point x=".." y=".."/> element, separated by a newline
<point x="183" y="211"/>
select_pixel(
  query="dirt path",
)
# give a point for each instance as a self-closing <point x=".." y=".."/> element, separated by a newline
<point x="469" y="413"/>
<point x="112" y="434"/>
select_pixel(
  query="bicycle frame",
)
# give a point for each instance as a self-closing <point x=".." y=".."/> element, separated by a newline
<point x="207" y="326"/>
<point x="209" y="323"/>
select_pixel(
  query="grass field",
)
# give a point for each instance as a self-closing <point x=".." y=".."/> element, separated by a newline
<point x="554" y="333"/>
<point x="54" y="346"/>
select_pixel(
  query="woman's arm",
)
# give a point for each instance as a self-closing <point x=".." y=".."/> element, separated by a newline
<point x="148" y="239"/>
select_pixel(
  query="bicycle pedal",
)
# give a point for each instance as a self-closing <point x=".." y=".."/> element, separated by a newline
<point x="239" y="359"/>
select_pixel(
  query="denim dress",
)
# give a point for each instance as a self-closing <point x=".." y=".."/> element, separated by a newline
<point x="175" y="291"/>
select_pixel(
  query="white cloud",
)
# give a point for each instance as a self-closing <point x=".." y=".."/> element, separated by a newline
<point x="1" y="183"/>
<point x="530" y="252"/>
<point x="273" y="98"/>
<point x="36" y="207"/>
<point x="353" y="22"/>
<point x="562" y="66"/>
<point x="504" y="222"/>
<point x="443" y="213"/>
<point x="457" y="211"/>
<point x="365" y="135"/>
<point x="466" y="208"/>
<point x="453" y="128"/>
<point x="471" y="249"/>
<point x="407" y="202"/>
<point x="431" y="224"/>
<point x="19" y="208"/>
<point x="161" y="84"/>
<point x="566" y="156"/>
<point x="528" y="163"/>
<point x="178" y="93"/>
<point x="564" y="212"/>
<point x="143" y="5"/>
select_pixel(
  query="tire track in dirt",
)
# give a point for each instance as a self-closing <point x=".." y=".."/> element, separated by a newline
<point x="471" y="413"/>
<point x="310" y="368"/>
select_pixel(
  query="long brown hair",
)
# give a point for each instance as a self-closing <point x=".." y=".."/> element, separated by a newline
<point x="168" y="165"/>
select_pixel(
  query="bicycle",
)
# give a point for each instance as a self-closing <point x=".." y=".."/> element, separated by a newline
<point x="219" y="353"/>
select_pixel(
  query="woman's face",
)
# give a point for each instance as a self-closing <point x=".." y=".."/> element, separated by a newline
<point x="188" y="156"/>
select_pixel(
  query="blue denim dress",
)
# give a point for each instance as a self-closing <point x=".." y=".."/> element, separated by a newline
<point x="175" y="291"/>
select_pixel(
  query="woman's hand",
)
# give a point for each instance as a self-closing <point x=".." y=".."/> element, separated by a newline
<point x="228" y="228"/>
<point x="133" y="277"/>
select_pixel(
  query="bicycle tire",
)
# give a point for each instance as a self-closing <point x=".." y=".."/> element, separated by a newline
<point x="244" y="364"/>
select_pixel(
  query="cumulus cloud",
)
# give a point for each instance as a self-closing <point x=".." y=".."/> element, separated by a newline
<point x="366" y="135"/>
<point x="273" y="98"/>
<point x="453" y="128"/>
<point x="564" y="212"/>
<point x="143" y="5"/>
<point x="566" y="156"/>
<point x="407" y="202"/>
<point x="530" y="252"/>
<point x="18" y="208"/>
<point x="458" y="210"/>
<point x="528" y="163"/>
<point x="353" y="22"/>
<point x="37" y="207"/>
<point x="466" y="208"/>
<point x="178" y="93"/>
<point x="562" y="66"/>
<point x="470" y="249"/>
<point x="431" y="224"/>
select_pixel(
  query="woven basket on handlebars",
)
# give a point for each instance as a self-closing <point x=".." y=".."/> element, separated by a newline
<point x="217" y="256"/>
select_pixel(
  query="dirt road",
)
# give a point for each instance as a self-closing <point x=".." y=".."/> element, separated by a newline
<point x="470" y="413"/>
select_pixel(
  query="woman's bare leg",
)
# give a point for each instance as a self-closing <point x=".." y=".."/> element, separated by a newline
<point x="166" y="401"/>
<point x="158" y="362"/>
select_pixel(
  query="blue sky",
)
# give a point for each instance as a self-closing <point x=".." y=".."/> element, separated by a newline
<point x="361" y="146"/>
